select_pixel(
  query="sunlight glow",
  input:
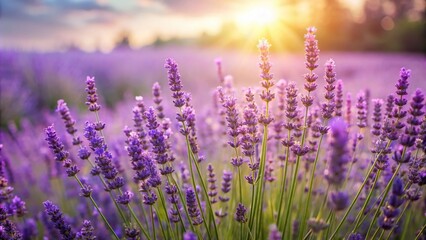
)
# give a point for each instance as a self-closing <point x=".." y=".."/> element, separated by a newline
<point x="260" y="15"/>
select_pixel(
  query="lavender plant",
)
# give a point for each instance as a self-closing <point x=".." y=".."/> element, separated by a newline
<point x="296" y="165"/>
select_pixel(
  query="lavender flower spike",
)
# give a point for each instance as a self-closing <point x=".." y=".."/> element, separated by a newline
<point x="69" y="122"/>
<point x="265" y="67"/>
<point x="103" y="158"/>
<point x="193" y="210"/>
<point x="274" y="233"/>
<point x="92" y="96"/>
<point x="58" y="220"/>
<point x="86" y="232"/>
<point x="158" y="142"/>
<point x="156" y="92"/>
<point x="60" y="154"/>
<point x="311" y="58"/>
<point x="175" y="83"/>
<point x="240" y="214"/>
<point x="338" y="158"/>
<point x="330" y="78"/>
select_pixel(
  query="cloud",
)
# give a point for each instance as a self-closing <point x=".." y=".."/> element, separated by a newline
<point x="80" y="20"/>
<point x="196" y="8"/>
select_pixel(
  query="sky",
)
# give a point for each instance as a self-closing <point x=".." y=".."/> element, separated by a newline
<point x="47" y="25"/>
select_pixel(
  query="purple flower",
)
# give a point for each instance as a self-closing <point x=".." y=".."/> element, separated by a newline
<point x="156" y="92"/>
<point x="391" y="211"/>
<point x="339" y="200"/>
<point x="103" y="158"/>
<point x="18" y="207"/>
<point x="265" y="67"/>
<point x="274" y="233"/>
<point x="377" y="117"/>
<point x="291" y="108"/>
<point x="125" y="198"/>
<point x="8" y="230"/>
<point x="132" y="233"/>
<point x="30" y="230"/>
<point x="86" y="232"/>
<point x="390" y="100"/>
<point x="232" y="117"/>
<point x="249" y="129"/>
<point x="190" y="236"/>
<point x="220" y="76"/>
<point x="240" y="214"/>
<point x="58" y="220"/>
<point x="339" y="153"/>
<point x="402" y="84"/>
<point x="279" y="123"/>
<point x="145" y="171"/>
<point x="401" y="101"/>
<point x="139" y="120"/>
<point x="86" y="190"/>
<point x="311" y="49"/>
<point x="92" y="96"/>
<point x="192" y="206"/>
<point x="212" y="184"/>
<point x="311" y="58"/>
<point x="172" y="191"/>
<point x="61" y="155"/>
<point x="400" y="157"/>
<point x="175" y="83"/>
<point x="355" y="236"/>
<point x="348" y="116"/>
<point x="69" y="122"/>
<point x="362" y="110"/>
<point x="158" y="142"/>
<point x="339" y="98"/>
<point x="330" y="78"/>
<point x="411" y="132"/>
<point x="226" y="185"/>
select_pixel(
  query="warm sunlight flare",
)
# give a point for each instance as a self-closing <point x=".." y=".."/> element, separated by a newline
<point x="259" y="14"/>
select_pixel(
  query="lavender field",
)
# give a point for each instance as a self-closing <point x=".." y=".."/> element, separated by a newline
<point x="204" y="143"/>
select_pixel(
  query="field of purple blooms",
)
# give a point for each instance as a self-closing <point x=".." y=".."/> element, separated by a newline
<point x="309" y="157"/>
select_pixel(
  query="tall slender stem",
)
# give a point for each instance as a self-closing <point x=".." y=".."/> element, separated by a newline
<point x="356" y="196"/>
<point x="153" y="222"/>
<point x="99" y="211"/>
<point x="311" y="184"/>
<point x="359" y="217"/>
<point x="388" y="187"/>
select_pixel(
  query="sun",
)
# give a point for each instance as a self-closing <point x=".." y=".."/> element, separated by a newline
<point x="260" y="15"/>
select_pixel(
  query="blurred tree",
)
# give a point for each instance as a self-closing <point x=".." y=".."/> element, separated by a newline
<point x="124" y="42"/>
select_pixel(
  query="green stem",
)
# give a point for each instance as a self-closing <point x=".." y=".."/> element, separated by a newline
<point x="311" y="184"/>
<point x="195" y="161"/>
<point x="153" y="223"/>
<point x="357" y="194"/>
<point x="137" y="221"/>
<point x="420" y="232"/>
<point x="388" y="187"/>
<point x="283" y="184"/>
<point x="182" y="199"/>
<point x="308" y="234"/>
<point x="163" y="204"/>
<point x="292" y="191"/>
<point x="195" y="187"/>
<point x="109" y="192"/>
<point x="293" y="184"/>
<point x="375" y="233"/>
<point x="359" y="217"/>
<point x="323" y="203"/>
<point x="261" y="178"/>
<point x="99" y="211"/>
<point x="407" y="222"/>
